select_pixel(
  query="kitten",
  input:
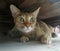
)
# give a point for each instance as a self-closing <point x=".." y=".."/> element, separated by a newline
<point x="27" y="27"/>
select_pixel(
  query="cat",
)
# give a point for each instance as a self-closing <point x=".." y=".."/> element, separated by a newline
<point x="27" y="27"/>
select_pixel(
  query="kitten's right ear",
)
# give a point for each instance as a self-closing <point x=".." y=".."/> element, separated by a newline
<point x="35" y="13"/>
<point x="14" y="10"/>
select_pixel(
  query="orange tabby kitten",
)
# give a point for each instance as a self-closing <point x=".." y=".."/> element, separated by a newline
<point x="27" y="27"/>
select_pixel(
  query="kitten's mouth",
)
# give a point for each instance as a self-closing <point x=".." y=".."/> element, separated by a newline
<point x="26" y="30"/>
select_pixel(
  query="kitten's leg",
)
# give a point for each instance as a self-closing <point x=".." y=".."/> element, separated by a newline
<point x="24" y="39"/>
<point x="46" y="31"/>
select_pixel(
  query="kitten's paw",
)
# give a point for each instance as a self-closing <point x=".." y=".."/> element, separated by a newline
<point x="45" y="40"/>
<point x="24" y="39"/>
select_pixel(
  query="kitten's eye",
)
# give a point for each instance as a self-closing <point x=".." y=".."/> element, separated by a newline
<point x="21" y="19"/>
<point x="32" y="19"/>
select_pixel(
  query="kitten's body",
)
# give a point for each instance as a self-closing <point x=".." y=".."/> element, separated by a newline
<point x="40" y="30"/>
<point x="27" y="27"/>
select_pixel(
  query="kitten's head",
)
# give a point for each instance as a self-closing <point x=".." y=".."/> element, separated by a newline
<point x="24" y="22"/>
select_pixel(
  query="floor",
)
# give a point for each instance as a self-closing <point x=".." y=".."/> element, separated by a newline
<point x="30" y="46"/>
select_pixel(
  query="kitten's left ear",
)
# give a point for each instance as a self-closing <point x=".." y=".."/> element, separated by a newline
<point x="14" y="10"/>
<point x="35" y="13"/>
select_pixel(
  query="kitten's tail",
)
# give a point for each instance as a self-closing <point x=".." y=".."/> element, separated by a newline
<point x="54" y="35"/>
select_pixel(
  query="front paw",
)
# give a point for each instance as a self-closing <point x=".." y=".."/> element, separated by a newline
<point x="45" y="40"/>
<point x="24" y="39"/>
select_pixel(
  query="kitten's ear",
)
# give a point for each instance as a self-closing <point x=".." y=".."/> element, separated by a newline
<point x="14" y="10"/>
<point x="35" y="13"/>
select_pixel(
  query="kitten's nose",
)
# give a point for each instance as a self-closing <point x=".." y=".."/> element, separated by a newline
<point x="27" y="26"/>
